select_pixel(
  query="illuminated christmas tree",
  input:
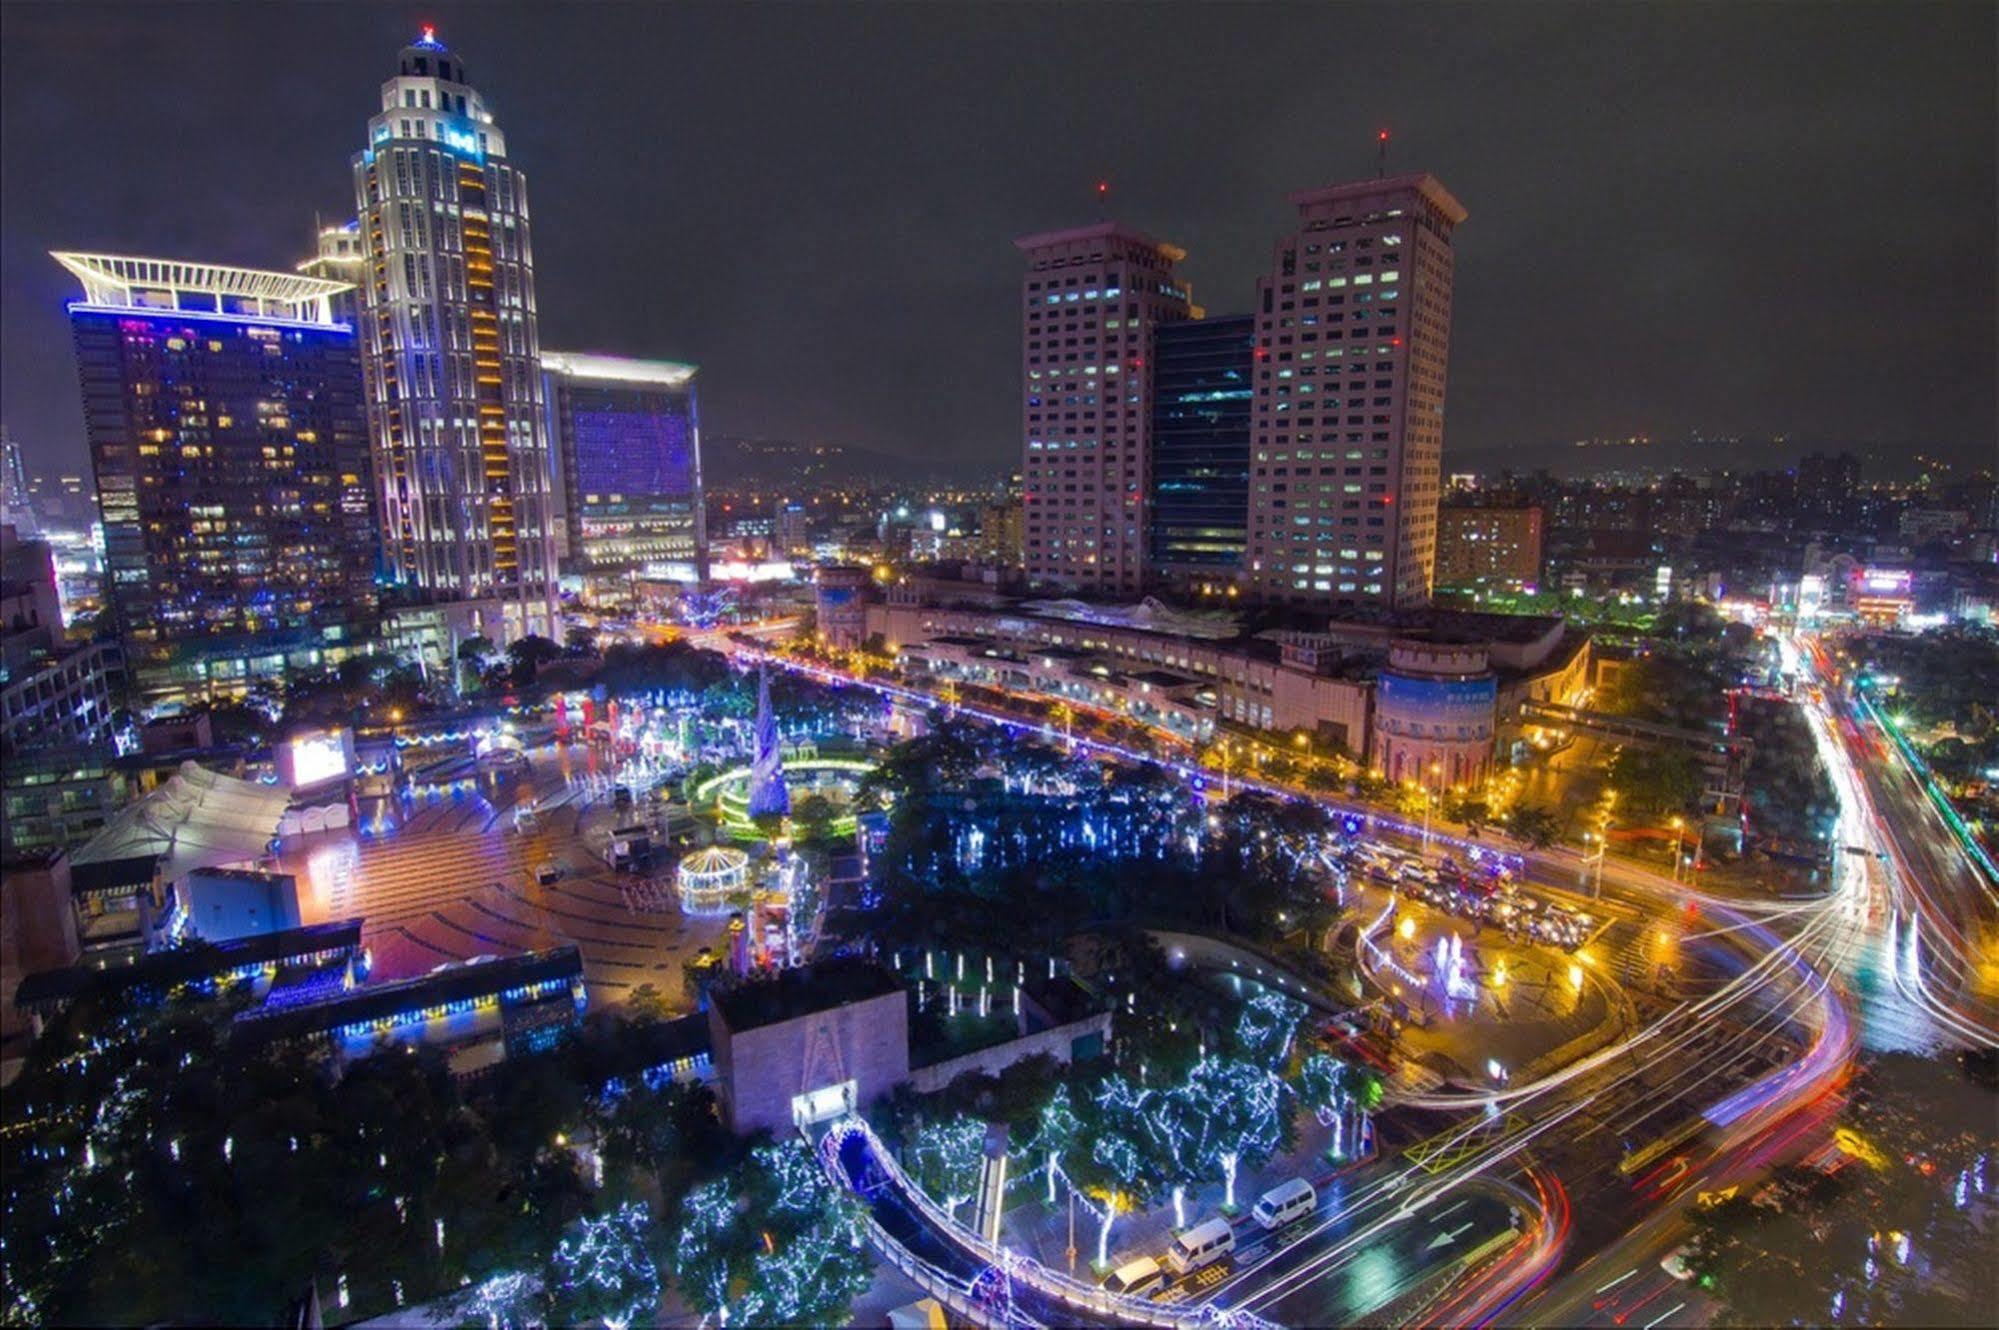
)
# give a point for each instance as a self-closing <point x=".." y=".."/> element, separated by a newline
<point x="769" y="796"/>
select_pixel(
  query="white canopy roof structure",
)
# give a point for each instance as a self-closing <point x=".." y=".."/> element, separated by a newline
<point x="1150" y="613"/>
<point x="617" y="369"/>
<point x="119" y="281"/>
<point x="198" y="819"/>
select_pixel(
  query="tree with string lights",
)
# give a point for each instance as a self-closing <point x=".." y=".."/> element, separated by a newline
<point x="1266" y="1028"/>
<point x="1057" y="1131"/>
<point x="943" y="1156"/>
<point x="1237" y="1116"/>
<point x="773" y="1241"/>
<point x="604" y="1270"/>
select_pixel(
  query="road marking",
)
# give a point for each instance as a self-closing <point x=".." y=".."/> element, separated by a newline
<point x="1663" y="1315"/>
<point x="1447" y="1238"/>
<point x="1619" y="1280"/>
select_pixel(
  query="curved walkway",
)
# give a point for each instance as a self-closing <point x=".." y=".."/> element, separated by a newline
<point x="978" y="1280"/>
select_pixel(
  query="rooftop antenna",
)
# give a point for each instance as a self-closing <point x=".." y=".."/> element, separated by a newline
<point x="1380" y="153"/>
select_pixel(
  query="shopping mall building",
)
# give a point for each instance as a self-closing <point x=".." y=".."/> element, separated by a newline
<point x="1425" y="695"/>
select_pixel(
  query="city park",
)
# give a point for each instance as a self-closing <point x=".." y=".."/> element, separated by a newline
<point x="987" y="852"/>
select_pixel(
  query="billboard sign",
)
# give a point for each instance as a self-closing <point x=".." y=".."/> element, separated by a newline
<point x="316" y="757"/>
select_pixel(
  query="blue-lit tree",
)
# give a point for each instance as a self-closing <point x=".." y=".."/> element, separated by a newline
<point x="709" y="1246"/>
<point x="1341" y="1097"/>
<point x="943" y="1157"/>
<point x="1057" y="1129"/>
<point x="1265" y="1029"/>
<point x="774" y="1241"/>
<point x="1123" y="1167"/>
<point x="1236" y="1115"/>
<point x="604" y="1270"/>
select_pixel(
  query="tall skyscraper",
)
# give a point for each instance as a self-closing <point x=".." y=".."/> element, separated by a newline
<point x="223" y="411"/>
<point x="16" y="510"/>
<point x="449" y="343"/>
<point x="628" y="448"/>
<point x="1089" y="303"/>
<point x="1353" y="337"/>
<point x="1202" y="370"/>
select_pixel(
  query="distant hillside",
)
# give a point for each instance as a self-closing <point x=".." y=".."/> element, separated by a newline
<point x="731" y="461"/>
<point x="1681" y="454"/>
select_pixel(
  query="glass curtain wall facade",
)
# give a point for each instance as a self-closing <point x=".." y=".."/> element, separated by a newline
<point x="628" y="445"/>
<point x="231" y="459"/>
<point x="1201" y="399"/>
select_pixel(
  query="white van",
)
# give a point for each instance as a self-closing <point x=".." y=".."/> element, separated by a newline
<point x="1139" y="1279"/>
<point x="1201" y="1245"/>
<point x="1285" y="1202"/>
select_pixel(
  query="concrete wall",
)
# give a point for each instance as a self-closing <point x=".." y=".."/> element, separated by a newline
<point x="37" y="929"/>
<point x="759" y="1071"/>
<point x="1057" y="1041"/>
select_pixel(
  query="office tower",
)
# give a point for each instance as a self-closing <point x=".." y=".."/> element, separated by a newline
<point x="16" y="508"/>
<point x="454" y="380"/>
<point x="1488" y="545"/>
<point x="1353" y="335"/>
<point x="341" y="258"/>
<point x="1000" y="533"/>
<point x="628" y="448"/>
<point x="1090" y="301"/>
<point x="1201" y="376"/>
<point x="223" y="412"/>
<point x="794" y="530"/>
<point x="53" y="693"/>
<point x="1827" y="487"/>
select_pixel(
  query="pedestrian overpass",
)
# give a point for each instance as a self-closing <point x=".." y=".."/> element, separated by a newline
<point x="976" y="1280"/>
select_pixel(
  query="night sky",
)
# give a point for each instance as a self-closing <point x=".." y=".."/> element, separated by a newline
<point x="1750" y="219"/>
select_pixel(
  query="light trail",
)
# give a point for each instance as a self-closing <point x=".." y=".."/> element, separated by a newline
<point x="1384" y="1203"/>
<point x="1880" y="841"/>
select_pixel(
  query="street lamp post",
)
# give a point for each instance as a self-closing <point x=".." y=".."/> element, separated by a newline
<point x="1594" y="859"/>
<point x="1678" y="824"/>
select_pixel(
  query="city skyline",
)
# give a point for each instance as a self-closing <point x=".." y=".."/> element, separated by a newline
<point x="1586" y="315"/>
<point x="1193" y="667"/>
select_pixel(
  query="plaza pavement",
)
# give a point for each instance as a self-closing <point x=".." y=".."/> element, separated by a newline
<point x="445" y="877"/>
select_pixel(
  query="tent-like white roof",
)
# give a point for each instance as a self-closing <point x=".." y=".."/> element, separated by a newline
<point x="198" y="819"/>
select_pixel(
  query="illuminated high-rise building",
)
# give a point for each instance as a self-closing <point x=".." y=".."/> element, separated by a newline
<point x="1353" y="334"/>
<point x="223" y="412"/>
<point x="1202" y="370"/>
<point x="1090" y="300"/>
<point x="453" y="363"/>
<point x="16" y="509"/>
<point x="627" y="436"/>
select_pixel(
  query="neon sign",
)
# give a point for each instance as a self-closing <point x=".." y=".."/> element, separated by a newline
<point x="459" y="140"/>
